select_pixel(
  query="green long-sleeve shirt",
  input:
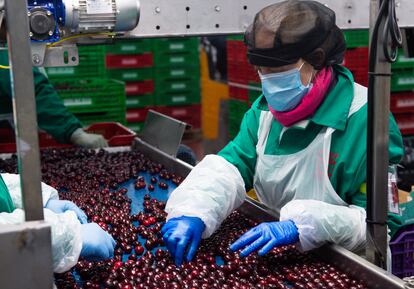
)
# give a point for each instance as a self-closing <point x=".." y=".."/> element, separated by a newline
<point x="347" y="162"/>
<point x="52" y="115"/>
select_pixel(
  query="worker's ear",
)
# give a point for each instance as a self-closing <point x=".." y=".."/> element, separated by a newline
<point x="316" y="58"/>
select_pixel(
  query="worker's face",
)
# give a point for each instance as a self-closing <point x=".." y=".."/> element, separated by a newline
<point x="307" y="72"/>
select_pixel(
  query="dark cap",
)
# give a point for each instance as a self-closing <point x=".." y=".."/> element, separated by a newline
<point x="284" y="32"/>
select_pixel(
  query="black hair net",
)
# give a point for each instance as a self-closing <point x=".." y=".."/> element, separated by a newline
<point x="284" y="32"/>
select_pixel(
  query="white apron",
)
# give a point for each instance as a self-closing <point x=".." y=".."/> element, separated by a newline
<point x="302" y="175"/>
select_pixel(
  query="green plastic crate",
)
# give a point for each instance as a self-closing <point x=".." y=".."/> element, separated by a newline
<point x="140" y="101"/>
<point x="184" y="72"/>
<point x="178" y="98"/>
<point x="136" y="126"/>
<point x="402" y="80"/>
<point x="177" y="85"/>
<point x="236" y="37"/>
<point x="138" y="74"/>
<point x="91" y="64"/>
<point x="236" y="111"/>
<point x="177" y="59"/>
<point x="91" y="95"/>
<point x="403" y="61"/>
<point x="107" y="116"/>
<point x="356" y="38"/>
<point x="127" y="46"/>
<point x="175" y="45"/>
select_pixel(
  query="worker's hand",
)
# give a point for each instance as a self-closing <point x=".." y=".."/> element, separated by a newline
<point x="97" y="244"/>
<point x="265" y="237"/>
<point x="182" y="236"/>
<point x="60" y="206"/>
<point x="88" y="140"/>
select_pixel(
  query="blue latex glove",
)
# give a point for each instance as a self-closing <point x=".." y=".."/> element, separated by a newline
<point x="97" y="244"/>
<point x="182" y="235"/>
<point x="60" y="206"/>
<point x="265" y="237"/>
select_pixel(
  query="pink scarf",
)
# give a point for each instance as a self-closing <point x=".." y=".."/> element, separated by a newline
<point x="310" y="101"/>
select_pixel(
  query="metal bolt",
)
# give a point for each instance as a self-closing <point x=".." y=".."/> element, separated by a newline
<point x="217" y="8"/>
<point x="60" y="19"/>
<point x="36" y="58"/>
<point x="31" y="34"/>
<point x="157" y="10"/>
<point x="29" y="14"/>
<point x="50" y="33"/>
<point x="48" y="13"/>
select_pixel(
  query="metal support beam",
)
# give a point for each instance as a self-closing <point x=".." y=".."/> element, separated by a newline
<point x="24" y="107"/>
<point x="26" y="257"/>
<point x="161" y="18"/>
<point x="377" y="151"/>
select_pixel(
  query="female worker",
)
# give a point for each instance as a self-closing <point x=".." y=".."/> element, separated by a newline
<point x="301" y="146"/>
<point x="72" y="236"/>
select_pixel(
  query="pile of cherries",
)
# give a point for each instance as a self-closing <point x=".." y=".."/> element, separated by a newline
<point x="93" y="180"/>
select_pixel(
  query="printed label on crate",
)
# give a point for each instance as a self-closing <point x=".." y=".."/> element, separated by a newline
<point x="130" y="47"/>
<point x="404" y="124"/>
<point x="77" y="101"/>
<point x="133" y="114"/>
<point x="130" y="88"/>
<point x="129" y="61"/>
<point x="179" y="98"/>
<point x="179" y="112"/>
<point x="176" y="46"/>
<point x="130" y="75"/>
<point x="132" y="101"/>
<point x="61" y="70"/>
<point x="177" y="59"/>
<point x="405" y="103"/>
<point x="406" y="80"/>
<point x="403" y="58"/>
<point x="178" y="86"/>
<point x="98" y="6"/>
<point x="177" y="72"/>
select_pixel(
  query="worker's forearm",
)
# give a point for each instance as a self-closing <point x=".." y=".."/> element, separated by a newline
<point x="12" y="182"/>
<point x="212" y="190"/>
<point x="319" y="223"/>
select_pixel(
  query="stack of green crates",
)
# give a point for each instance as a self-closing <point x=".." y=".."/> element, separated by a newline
<point x="91" y="64"/>
<point x="133" y="75"/>
<point x="402" y="78"/>
<point x="236" y="110"/>
<point x="93" y="99"/>
<point x="177" y="71"/>
<point x="86" y="89"/>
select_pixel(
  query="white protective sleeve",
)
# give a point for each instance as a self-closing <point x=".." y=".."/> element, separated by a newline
<point x="66" y="236"/>
<point x="212" y="190"/>
<point x="12" y="182"/>
<point x="319" y="223"/>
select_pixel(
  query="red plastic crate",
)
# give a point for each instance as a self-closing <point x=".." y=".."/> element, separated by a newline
<point x="238" y="93"/>
<point x="236" y="51"/>
<point x="129" y="61"/>
<point x="405" y="122"/>
<point x="402" y="102"/>
<point x="115" y="133"/>
<point x="136" y="115"/>
<point x="190" y="114"/>
<point x="139" y="87"/>
<point x="356" y="58"/>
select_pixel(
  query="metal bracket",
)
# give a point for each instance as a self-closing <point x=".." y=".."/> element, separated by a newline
<point x="163" y="132"/>
<point x="65" y="55"/>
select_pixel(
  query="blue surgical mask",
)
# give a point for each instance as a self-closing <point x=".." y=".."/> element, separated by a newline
<point x="284" y="90"/>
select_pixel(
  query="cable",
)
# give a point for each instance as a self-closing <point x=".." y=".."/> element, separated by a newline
<point x="79" y="36"/>
<point x="391" y="28"/>
<point x="4" y="67"/>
